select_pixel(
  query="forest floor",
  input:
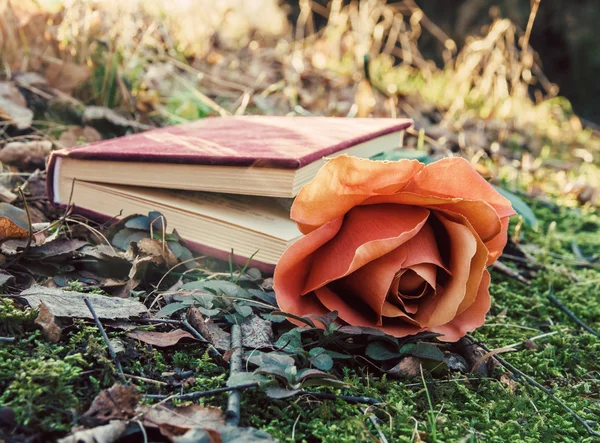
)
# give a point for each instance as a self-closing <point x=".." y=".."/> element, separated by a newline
<point x="87" y="73"/>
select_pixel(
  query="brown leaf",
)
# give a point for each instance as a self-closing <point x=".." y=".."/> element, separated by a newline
<point x="78" y="135"/>
<point x="160" y="339"/>
<point x="51" y="326"/>
<point x="26" y="155"/>
<point x="13" y="222"/>
<point x="116" y="403"/>
<point x="66" y="76"/>
<point x="158" y="250"/>
<point x="208" y="329"/>
<point x="174" y="421"/>
<point x="13" y="106"/>
<point x="409" y="367"/>
<point x="256" y="333"/>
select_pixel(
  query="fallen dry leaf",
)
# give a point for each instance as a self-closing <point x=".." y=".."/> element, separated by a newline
<point x="160" y="339"/>
<point x="51" y="327"/>
<point x="13" y="222"/>
<point x="256" y="333"/>
<point x="116" y="403"/>
<point x="216" y="336"/>
<point x="409" y="367"/>
<point x="158" y="250"/>
<point x="77" y="135"/>
<point x="100" y="434"/>
<point x="174" y="421"/>
<point x="26" y="155"/>
<point x="71" y="304"/>
<point x="66" y="76"/>
<point x="13" y="107"/>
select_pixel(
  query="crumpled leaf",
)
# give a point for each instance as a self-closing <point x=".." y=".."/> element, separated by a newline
<point x="178" y="420"/>
<point x="71" y="304"/>
<point x="51" y="327"/>
<point x="56" y="248"/>
<point x="116" y="403"/>
<point x="408" y="367"/>
<point x="158" y="250"/>
<point x="13" y="107"/>
<point x="13" y="222"/>
<point x="100" y="434"/>
<point x="256" y="333"/>
<point x="5" y="278"/>
<point x="160" y="339"/>
<point x="26" y="155"/>
<point x="65" y="75"/>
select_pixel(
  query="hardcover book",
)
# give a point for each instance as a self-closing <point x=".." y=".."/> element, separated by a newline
<point x="196" y="175"/>
<point x="254" y="155"/>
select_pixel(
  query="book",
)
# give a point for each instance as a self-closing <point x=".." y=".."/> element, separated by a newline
<point x="224" y="226"/>
<point x="253" y="155"/>
<point x="227" y="194"/>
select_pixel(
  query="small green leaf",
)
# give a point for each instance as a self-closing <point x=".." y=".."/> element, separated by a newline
<point x="242" y="378"/>
<point x="380" y="351"/>
<point x="290" y="341"/>
<point x="280" y="393"/>
<point x="427" y="351"/>
<point x="400" y="154"/>
<point x="521" y="207"/>
<point x="244" y="311"/>
<point x="320" y="360"/>
<point x="171" y="309"/>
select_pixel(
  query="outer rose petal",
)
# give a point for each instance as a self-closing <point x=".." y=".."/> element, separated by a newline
<point x="293" y="267"/>
<point x="344" y="182"/>
<point x="470" y="319"/>
<point x="480" y="214"/>
<point x="497" y="244"/>
<point x="455" y="177"/>
<point x="368" y="232"/>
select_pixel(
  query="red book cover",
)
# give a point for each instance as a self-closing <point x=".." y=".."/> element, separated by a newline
<point x="279" y="142"/>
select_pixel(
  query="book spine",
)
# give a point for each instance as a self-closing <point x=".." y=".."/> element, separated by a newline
<point x="52" y="176"/>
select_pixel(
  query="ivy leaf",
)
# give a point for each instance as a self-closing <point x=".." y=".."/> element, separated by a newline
<point x="290" y="341"/>
<point x="279" y="393"/>
<point x="426" y="351"/>
<point x="244" y="311"/>
<point x="380" y="351"/>
<point x="320" y="360"/>
<point x="243" y="378"/>
<point x="171" y="309"/>
<point x="522" y="208"/>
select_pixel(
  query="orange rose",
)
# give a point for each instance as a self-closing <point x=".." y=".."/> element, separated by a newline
<point x="399" y="246"/>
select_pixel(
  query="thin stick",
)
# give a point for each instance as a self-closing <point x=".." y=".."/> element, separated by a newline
<point x="232" y="415"/>
<point x="521" y="375"/>
<point x="572" y="316"/>
<point x="212" y="351"/>
<point x="373" y="418"/>
<point x="200" y="394"/>
<point x="7" y="339"/>
<point x="111" y="351"/>
<point x="346" y="398"/>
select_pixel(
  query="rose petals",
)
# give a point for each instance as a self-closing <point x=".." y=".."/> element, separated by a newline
<point x="398" y="246"/>
<point x="351" y="180"/>
<point x="368" y="232"/>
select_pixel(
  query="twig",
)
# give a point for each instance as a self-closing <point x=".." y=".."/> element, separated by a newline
<point x="346" y="398"/>
<point x="111" y="350"/>
<point x="7" y="339"/>
<point x="212" y="351"/>
<point x="519" y="375"/>
<point x="200" y="394"/>
<point x="232" y="415"/>
<point x="510" y="272"/>
<point x="159" y="320"/>
<point x="147" y="380"/>
<point x="572" y="316"/>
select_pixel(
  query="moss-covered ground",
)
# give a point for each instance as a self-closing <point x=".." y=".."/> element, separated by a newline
<point x="50" y="385"/>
